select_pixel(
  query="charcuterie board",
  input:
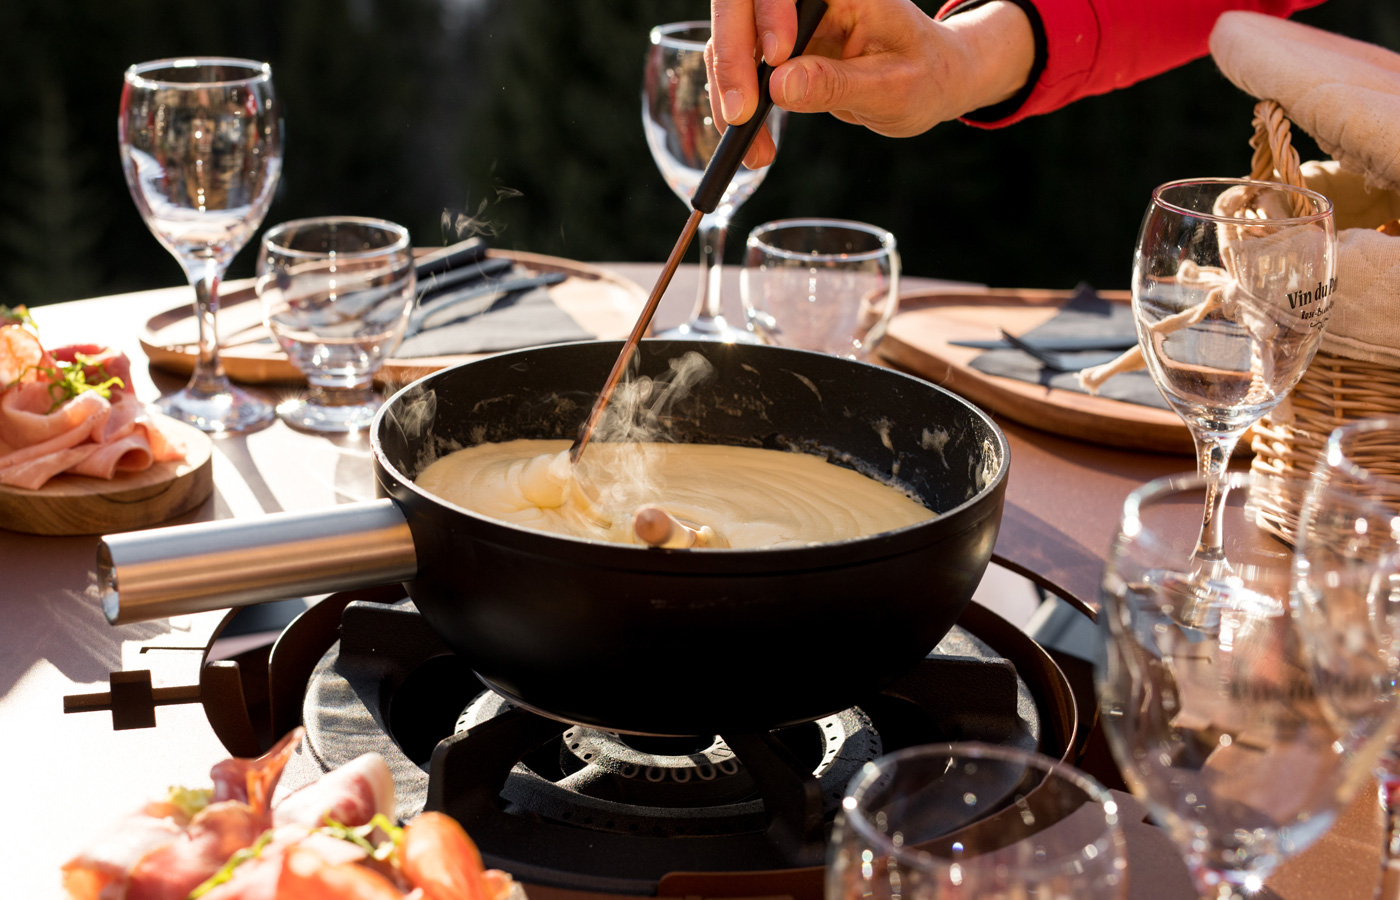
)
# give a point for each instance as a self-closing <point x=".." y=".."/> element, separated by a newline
<point x="77" y="504"/>
<point x="920" y="340"/>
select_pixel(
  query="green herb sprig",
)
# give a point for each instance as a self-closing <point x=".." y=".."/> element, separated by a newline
<point x="17" y="315"/>
<point x="68" y="380"/>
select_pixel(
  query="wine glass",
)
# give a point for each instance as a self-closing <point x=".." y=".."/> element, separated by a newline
<point x="1347" y="567"/>
<point x="682" y="135"/>
<point x="820" y="284"/>
<point x="1232" y="288"/>
<point x="336" y="294"/>
<point x="953" y="821"/>
<point x="201" y="146"/>
<point x="1204" y="694"/>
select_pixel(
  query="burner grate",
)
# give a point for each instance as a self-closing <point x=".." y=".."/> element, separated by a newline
<point x="578" y="809"/>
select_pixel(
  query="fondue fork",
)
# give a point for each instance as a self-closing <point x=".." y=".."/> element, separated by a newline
<point x="723" y="164"/>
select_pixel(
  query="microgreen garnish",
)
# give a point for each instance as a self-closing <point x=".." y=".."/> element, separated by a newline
<point x="17" y="315"/>
<point x="237" y="859"/>
<point x="359" y="835"/>
<point x="189" y="800"/>
<point x="68" y="380"/>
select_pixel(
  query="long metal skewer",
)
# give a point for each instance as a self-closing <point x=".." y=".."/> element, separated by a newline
<point x="723" y="164"/>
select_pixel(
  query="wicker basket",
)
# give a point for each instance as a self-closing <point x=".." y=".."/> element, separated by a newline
<point x="1333" y="391"/>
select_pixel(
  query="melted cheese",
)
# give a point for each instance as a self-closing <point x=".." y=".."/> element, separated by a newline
<point x="750" y="497"/>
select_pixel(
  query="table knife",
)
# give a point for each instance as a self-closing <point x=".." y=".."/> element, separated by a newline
<point x="1064" y="344"/>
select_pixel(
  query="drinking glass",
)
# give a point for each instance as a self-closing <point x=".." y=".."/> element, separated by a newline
<point x="201" y="146"/>
<point x="681" y="132"/>
<point x="968" y="820"/>
<point x="1204" y="692"/>
<point x="1232" y="288"/>
<point x="336" y="294"/>
<point x="821" y="284"/>
<point x="1347" y="566"/>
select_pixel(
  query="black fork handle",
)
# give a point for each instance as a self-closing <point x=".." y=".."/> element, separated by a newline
<point x="729" y="155"/>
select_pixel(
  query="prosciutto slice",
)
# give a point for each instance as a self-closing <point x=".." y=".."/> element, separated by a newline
<point x="89" y="434"/>
<point x="174" y="857"/>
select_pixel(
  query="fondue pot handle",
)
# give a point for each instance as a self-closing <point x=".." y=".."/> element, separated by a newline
<point x="161" y="572"/>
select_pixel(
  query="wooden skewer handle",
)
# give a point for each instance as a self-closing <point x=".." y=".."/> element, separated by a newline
<point x="656" y="527"/>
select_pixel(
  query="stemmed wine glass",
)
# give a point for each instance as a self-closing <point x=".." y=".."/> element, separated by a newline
<point x="1206" y="699"/>
<point x="1232" y="288"/>
<point x="962" y="820"/>
<point x="201" y="146"/>
<point x="682" y="135"/>
<point x="1347" y="568"/>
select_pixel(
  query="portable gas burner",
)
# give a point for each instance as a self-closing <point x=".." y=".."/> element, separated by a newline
<point x="569" y="809"/>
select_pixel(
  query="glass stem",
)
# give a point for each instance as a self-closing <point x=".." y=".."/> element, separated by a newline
<point x="1388" y="886"/>
<point x="1212" y="459"/>
<point x="208" y="378"/>
<point x="712" y="230"/>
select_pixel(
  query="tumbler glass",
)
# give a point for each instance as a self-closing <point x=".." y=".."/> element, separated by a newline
<point x="336" y="294"/>
<point x="821" y="284"/>
<point x="963" y="820"/>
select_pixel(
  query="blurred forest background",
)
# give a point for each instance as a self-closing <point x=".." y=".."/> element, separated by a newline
<point x="522" y="118"/>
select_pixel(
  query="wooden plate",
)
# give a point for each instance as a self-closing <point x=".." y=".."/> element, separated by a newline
<point x="77" y="504"/>
<point x="603" y="303"/>
<point x="918" y="341"/>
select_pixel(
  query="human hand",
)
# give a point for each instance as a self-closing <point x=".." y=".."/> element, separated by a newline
<point x="883" y="64"/>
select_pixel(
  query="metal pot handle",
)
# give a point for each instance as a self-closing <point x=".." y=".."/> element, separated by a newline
<point x="161" y="572"/>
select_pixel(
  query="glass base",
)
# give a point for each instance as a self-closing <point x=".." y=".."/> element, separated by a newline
<point x="226" y="411"/>
<point x="710" y="329"/>
<point x="303" y="414"/>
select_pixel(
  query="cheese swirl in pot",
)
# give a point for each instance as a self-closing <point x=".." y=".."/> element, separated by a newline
<point x="749" y="497"/>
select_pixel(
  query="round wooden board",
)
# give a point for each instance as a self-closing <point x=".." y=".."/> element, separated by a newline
<point x="77" y="504"/>
<point x="603" y="303"/>
<point x="919" y="339"/>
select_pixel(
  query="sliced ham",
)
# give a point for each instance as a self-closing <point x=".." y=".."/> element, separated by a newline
<point x="86" y="435"/>
<point x="108" y="860"/>
<point x="106" y="362"/>
<point x="172" y="870"/>
<point x="259" y="878"/>
<point x="127" y="454"/>
<point x="172" y="865"/>
<point x="21" y="355"/>
<point x="34" y="473"/>
<point x="27" y="416"/>
<point x="350" y="795"/>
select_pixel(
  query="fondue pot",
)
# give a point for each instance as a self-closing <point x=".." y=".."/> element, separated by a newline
<point x="631" y="638"/>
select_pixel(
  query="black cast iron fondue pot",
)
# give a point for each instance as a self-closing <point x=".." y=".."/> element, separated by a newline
<point x="631" y="638"/>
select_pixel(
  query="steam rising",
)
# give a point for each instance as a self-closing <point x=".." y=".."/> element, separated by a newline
<point x="459" y="224"/>
<point x="638" y="415"/>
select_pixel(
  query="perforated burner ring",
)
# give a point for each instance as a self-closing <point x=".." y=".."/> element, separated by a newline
<point x="624" y="783"/>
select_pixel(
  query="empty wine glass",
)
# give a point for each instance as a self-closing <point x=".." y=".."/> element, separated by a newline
<point x="1347" y="565"/>
<point x="1205" y="695"/>
<point x="336" y="294"/>
<point x="201" y="146"/>
<point x="682" y="135"/>
<point x="821" y="284"/>
<point x="953" y="821"/>
<point x="1232" y="288"/>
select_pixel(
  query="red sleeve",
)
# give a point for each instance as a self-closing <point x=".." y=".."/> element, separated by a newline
<point x="1096" y="46"/>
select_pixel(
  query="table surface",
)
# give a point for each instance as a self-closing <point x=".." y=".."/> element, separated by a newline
<point x="72" y="774"/>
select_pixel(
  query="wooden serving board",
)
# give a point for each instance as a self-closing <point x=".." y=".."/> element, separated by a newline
<point x="77" y="504"/>
<point x="603" y="303"/>
<point x="919" y="338"/>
